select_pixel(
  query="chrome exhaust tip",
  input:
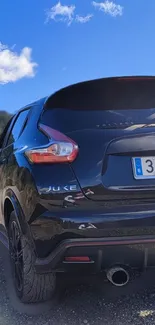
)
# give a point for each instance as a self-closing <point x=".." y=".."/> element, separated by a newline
<point x="118" y="276"/>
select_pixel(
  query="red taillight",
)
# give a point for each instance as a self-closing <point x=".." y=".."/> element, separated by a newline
<point x="60" y="150"/>
<point x="135" y="78"/>
<point x="77" y="259"/>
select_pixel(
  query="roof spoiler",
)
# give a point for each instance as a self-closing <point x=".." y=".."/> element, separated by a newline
<point x="74" y="95"/>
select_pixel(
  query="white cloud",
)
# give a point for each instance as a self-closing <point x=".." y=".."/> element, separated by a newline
<point x="14" y="66"/>
<point x="109" y="7"/>
<point x="61" y="12"/>
<point x="83" y="19"/>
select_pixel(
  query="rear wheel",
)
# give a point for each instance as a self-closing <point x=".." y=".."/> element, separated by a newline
<point x="30" y="286"/>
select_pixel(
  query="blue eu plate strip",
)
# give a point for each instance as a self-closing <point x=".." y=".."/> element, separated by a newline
<point x="138" y="166"/>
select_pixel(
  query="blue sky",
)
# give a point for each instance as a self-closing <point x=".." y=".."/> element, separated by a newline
<point x="47" y="44"/>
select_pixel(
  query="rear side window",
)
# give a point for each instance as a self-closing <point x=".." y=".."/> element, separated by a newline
<point x="118" y="103"/>
<point x="18" y="126"/>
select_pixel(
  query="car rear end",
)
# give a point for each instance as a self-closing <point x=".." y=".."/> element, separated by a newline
<point x="96" y="176"/>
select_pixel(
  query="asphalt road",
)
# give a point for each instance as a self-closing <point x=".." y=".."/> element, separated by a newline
<point x="80" y="301"/>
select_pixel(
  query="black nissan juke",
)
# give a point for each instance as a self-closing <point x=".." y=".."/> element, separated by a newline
<point x="77" y="180"/>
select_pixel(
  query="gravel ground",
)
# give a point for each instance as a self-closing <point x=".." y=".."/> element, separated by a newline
<point x="81" y="301"/>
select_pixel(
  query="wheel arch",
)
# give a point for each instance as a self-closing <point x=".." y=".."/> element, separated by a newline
<point x="8" y="209"/>
<point x="11" y="204"/>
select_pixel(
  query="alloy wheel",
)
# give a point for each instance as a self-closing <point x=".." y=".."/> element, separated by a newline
<point x="16" y="253"/>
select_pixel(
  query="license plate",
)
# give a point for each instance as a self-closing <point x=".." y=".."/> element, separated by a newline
<point x="144" y="167"/>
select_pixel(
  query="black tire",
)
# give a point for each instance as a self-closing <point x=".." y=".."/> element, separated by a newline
<point x="30" y="286"/>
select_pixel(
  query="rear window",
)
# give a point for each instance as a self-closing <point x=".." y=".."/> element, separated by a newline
<point x="102" y="103"/>
<point x="67" y="120"/>
<point x="106" y="94"/>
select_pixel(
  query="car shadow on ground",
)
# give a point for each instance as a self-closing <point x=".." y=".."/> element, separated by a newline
<point x="86" y="300"/>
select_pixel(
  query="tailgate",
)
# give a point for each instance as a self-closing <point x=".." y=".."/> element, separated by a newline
<point x="113" y="122"/>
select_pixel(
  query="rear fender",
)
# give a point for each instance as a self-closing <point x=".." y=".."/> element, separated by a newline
<point x="25" y="229"/>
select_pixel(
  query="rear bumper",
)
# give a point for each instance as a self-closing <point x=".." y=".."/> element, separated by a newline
<point x="135" y="251"/>
<point x="124" y="235"/>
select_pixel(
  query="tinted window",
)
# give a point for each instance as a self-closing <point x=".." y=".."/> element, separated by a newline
<point x="18" y="126"/>
<point x="102" y="103"/>
<point x="106" y="94"/>
<point x="66" y="120"/>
